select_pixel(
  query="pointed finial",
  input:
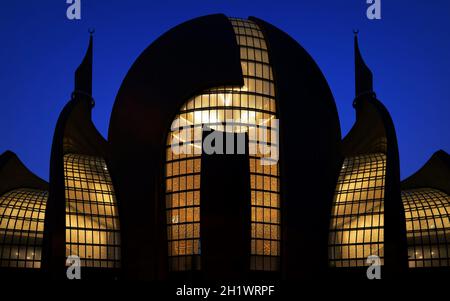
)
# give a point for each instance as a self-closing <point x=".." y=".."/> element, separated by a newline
<point x="363" y="75"/>
<point x="83" y="74"/>
<point x="91" y="31"/>
<point x="355" y="32"/>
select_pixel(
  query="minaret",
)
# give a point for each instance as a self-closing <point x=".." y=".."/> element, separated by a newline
<point x="363" y="75"/>
<point x="83" y="74"/>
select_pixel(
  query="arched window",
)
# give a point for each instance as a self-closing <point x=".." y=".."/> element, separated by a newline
<point x="22" y="213"/>
<point x="92" y="223"/>
<point x="251" y="109"/>
<point x="357" y="221"/>
<point x="427" y="213"/>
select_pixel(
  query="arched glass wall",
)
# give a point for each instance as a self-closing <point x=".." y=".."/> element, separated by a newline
<point x="357" y="220"/>
<point x="251" y="109"/>
<point x="22" y="213"/>
<point x="427" y="213"/>
<point x="92" y="223"/>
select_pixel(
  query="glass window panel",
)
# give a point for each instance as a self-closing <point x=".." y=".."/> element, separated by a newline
<point x="427" y="234"/>
<point x="21" y="227"/>
<point x="250" y="105"/>
<point x="92" y="210"/>
<point x="358" y="219"/>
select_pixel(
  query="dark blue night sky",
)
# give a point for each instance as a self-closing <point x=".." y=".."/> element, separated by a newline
<point x="408" y="52"/>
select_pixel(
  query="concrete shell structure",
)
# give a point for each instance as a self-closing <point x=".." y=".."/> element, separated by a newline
<point x="164" y="82"/>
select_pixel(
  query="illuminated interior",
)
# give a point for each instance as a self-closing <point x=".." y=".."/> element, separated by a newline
<point x="232" y="109"/>
<point x="22" y="213"/>
<point x="92" y="223"/>
<point x="427" y="213"/>
<point x="357" y="221"/>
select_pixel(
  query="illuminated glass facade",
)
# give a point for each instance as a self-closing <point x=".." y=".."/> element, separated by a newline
<point x="233" y="109"/>
<point x="92" y="224"/>
<point x="356" y="230"/>
<point x="427" y="214"/>
<point x="22" y="213"/>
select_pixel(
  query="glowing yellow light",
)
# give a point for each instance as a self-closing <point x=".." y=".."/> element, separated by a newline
<point x="225" y="99"/>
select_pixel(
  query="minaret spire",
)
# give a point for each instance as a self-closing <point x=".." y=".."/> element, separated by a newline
<point x="83" y="74"/>
<point x="363" y="75"/>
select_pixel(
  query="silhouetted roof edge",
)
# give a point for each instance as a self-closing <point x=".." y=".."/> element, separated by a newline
<point x="14" y="174"/>
<point x="435" y="173"/>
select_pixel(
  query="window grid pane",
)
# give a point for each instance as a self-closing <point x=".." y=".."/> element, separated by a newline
<point x="22" y="213"/>
<point x="357" y="221"/>
<point x="427" y="214"/>
<point x="92" y="223"/>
